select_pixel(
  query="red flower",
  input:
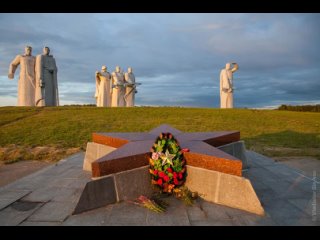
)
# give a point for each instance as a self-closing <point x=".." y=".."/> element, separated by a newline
<point x="162" y="174"/>
<point x="169" y="170"/>
<point x="175" y="181"/>
<point x="155" y="172"/>
<point x="185" y="150"/>
<point x="166" y="178"/>
<point x="175" y="175"/>
<point x="180" y="175"/>
<point x="159" y="182"/>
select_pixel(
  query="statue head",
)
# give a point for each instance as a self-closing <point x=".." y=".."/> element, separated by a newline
<point x="228" y="66"/>
<point x="117" y="69"/>
<point x="103" y="68"/>
<point x="129" y="69"/>
<point x="28" y="50"/>
<point x="46" y="51"/>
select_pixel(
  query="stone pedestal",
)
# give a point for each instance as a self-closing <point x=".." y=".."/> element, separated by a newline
<point x="95" y="151"/>
<point x="122" y="186"/>
<point x="224" y="189"/>
<point x="119" y="163"/>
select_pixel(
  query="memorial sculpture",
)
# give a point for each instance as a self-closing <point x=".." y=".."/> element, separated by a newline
<point x="26" y="82"/>
<point x="125" y="166"/>
<point x="103" y="88"/>
<point x="118" y="88"/>
<point x="46" y="88"/>
<point x="130" y="88"/>
<point x="226" y="85"/>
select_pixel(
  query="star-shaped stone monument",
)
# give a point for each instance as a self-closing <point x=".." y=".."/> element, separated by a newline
<point x="133" y="150"/>
<point x="120" y="168"/>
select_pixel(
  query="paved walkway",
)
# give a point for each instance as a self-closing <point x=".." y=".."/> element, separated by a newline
<point x="49" y="196"/>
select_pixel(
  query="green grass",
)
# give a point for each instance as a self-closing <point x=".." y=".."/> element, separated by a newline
<point x="70" y="127"/>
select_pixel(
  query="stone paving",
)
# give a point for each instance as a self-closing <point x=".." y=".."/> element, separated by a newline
<point x="49" y="196"/>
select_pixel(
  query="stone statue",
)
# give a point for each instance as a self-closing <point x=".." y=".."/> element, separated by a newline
<point x="46" y="80"/>
<point x="26" y="83"/>
<point x="226" y="85"/>
<point x="103" y="88"/>
<point x="118" y="90"/>
<point x="130" y="88"/>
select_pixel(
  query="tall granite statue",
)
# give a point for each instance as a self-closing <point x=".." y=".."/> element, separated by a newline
<point x="118" y="90"/>
<point x="26" y="83"/>
<point x="226" y="85"/>
<point x="103" y="88"/>
<point x="46" y="80"/>
<point x="130" y="88"/>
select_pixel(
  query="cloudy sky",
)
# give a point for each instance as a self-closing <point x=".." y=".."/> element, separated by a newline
<point x="176" y="57"/>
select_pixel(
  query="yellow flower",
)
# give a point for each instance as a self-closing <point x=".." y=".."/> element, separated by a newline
<point x="151" y="161"/>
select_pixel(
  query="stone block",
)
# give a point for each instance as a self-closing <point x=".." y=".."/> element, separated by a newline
<point x="95" y="151"/>
<point x="237" y="192"/>
<point x="122" y="186"/>
<point x="238" y="150"/>
<point x="133" y="183"/>
<point x="127" y="157"/>
<point x="97" y="193"/>
<point x="203" y="181"/>
<point x="224" y="189"/>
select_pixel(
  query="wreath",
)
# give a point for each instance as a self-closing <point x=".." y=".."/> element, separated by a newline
<point x="167" y="163"/>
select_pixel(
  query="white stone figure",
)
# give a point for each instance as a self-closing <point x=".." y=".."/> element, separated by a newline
<point x="103" y="88"/>
<point x="46" y="80"/>
<point x="226" y="85"/>
<point x="26" y="83"/>
<point x="118" y="90"/>
<point x="130" y="88"/>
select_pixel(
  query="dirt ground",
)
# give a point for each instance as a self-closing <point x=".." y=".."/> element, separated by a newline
<point x="15" y="153"/>
<point x="19" y="161"/>
<point x="11" y="172"/>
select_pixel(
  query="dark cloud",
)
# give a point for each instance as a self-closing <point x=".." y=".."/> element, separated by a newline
<point x="176" y="57"/>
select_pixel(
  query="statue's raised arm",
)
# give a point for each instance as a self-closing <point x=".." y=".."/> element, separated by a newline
<point x="235" y="67"/>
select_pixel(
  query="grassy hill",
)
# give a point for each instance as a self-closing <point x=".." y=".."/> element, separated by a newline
<point x="54" y="132"/>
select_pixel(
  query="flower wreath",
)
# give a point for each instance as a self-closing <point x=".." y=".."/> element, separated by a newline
<point x="167" y="163"/>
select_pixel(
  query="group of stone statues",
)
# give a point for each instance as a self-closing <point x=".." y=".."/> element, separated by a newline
<point x="117" y="89"/>
<point x="37" y="85"/>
